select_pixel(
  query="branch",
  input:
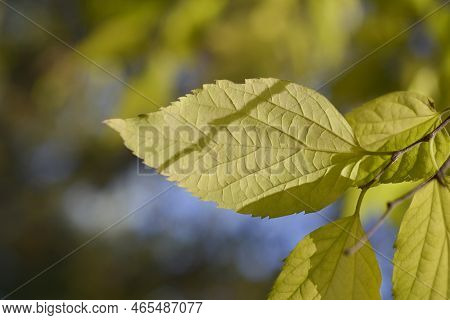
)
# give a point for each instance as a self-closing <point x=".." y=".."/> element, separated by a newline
<point x="392" y="204"/>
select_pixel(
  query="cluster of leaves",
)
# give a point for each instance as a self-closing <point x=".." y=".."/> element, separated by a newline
<point x="51" y="146"/>
<point x="312" y="155"/>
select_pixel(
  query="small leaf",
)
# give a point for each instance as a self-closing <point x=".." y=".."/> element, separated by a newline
<point x="264" y="147"/>
<point x="421" y="261"/>
<point x="393" y="121"/>
<point x="318" y="269"/>
<point x="420" y="162"/>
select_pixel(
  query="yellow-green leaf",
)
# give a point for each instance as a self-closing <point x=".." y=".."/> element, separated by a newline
<point x="318" y="268"/>
<point x="264" y="147"/>
<point x="421" y="261"/>
<point x="420" y="162"/>
<point x="393" y="121"/>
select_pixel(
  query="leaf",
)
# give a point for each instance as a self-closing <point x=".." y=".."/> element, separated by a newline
<point x="421" y="261"/>
<point x="420" y="162"/>
<point x="393" y="121"/>
<point x="318" y="269"/>
<point x="264" y="147"/>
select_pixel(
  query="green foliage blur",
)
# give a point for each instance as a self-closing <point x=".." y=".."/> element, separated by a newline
<point x="54" y="96"/>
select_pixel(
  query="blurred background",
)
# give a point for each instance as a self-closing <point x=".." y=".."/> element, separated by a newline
<point x="65" y="177"/>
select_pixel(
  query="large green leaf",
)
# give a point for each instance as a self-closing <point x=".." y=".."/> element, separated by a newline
<point x="318" y="268"/>
<point x="421" y="262"/>
<point x="264" y="147"/>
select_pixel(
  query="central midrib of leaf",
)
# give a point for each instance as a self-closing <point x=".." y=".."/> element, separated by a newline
<point x="304" y="146"/>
